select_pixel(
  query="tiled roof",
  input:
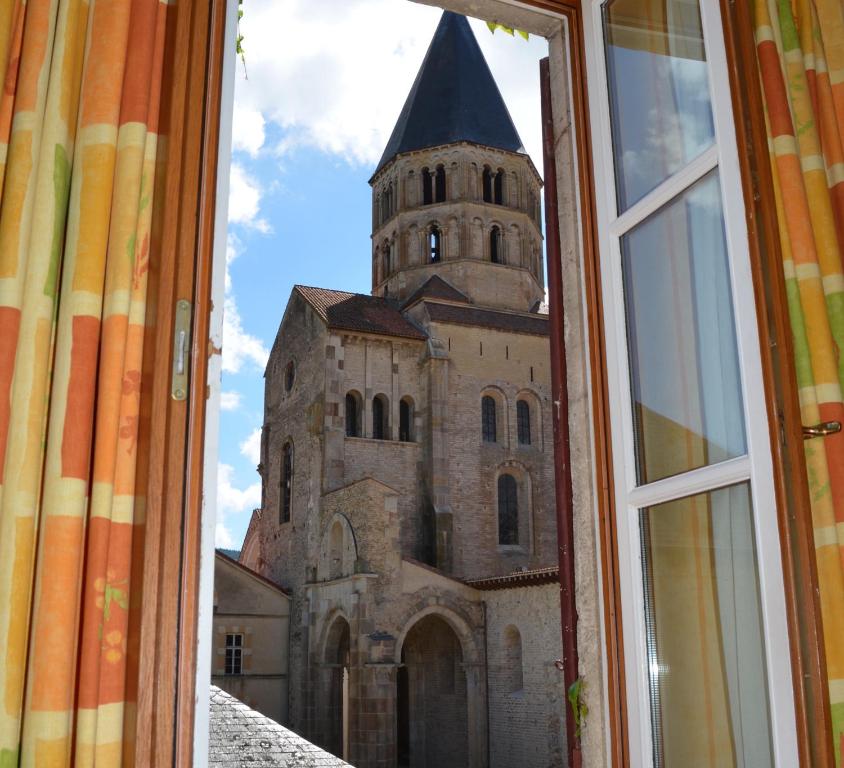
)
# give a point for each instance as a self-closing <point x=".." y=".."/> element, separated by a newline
<point x="436" y="288"/>
<point x="536" y="325"/>
<point x="241" y="736"/>
<point x="359" y="312"/>
<point x="517" y="579"/>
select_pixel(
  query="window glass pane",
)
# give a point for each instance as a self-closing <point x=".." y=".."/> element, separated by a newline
<point x="706" y="654"/>
<point x="659" y="91"/>
<point x="684" y="376"/>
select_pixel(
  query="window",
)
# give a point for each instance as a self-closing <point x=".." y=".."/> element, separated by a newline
<point x="427" y="187"/>
<point x="495" y="245"/>
<point x="234" y="654"/>
<point x="335" y="551"/>
<point x="405" y="420"/>
<point x="513" y="666"/>
<point x="487" y="184"/>
<point x="386" y="258"/>
<point x="695" y="508"/>
<point x="352" y="414"/>
<point x="379" y="417"/>
<point x="286" y="481"/>
<point x="289" y="376"/>
<point x="523" y="421"/>
<point x="488" y="419"/>
<point x="508" y="510"/>
<point x="498" y="196"/>
<point x="434" y="244"/>
<point x="440" y="185"/>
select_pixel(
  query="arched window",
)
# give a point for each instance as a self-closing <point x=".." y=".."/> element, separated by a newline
<point x="523" y="421"/>
<point x="434" y="244"/>
<point x="488" y="419"/>
<point x="390" y="200"/>
<point x="286" y="482"/>
<point x="508" y="510"/>
<point x="376" y="211"/>
<point x="499" y="187"/>
<point x="289" y="376"/>
<point x="352" y="414"/>
<point x="335" y="551"/>
<point x="495" y="246"/>
<point x="405" y="420"/>
<point x="513" y="664"/>
<point x="386" y="257"/>
<point x="379" y="417"/>
<point x="427" y="187"/>
<point x="487" y="184"/>
<point x="440" y="185"/>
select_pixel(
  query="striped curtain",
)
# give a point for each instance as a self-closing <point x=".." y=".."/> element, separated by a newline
<point x="800" y="48"/>
<point x="78" y="121"/>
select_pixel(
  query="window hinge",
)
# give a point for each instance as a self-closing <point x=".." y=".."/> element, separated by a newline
<point x="181" y="350"/>
<point x="821" y="430"/>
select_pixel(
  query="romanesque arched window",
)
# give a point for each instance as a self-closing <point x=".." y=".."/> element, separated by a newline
<point x="379" y="417"/>
<point x="495" y="246"/>
<point x="487" y="184"/>
<point x="488" y="419"/>
<point x="390" y="208"/>
<point x="427" y="187"/>
<point x="406" y="420"/>
<point x="498" y="192"/>
<point x="523" y="421"/>
<point x="513" y="666"/>
<point x="353" y="414"/>
<point x="508" y="509"/>
<point x="385" y="255"/>
<point x="286" y="500"/>
<point x="434" y="244"/>
<point x="439" y="190"/>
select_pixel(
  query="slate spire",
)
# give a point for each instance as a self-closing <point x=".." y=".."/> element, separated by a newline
<point x="454" y="98"/>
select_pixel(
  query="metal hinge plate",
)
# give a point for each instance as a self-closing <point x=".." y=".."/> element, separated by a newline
<point x="181" y="350"/>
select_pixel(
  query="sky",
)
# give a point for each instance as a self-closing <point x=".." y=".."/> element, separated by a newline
<point x="322" y="87"/>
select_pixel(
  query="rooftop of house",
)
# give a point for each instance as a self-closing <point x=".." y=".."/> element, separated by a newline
<point x="241" y="736"/>
<point x="454" y="98"/>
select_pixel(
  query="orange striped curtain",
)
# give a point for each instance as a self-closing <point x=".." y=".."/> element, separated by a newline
<point x="78" y="121"/>
<point x="800" y="47"/>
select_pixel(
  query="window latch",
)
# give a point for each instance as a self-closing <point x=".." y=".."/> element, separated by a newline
<point x="821" y="430"/>
<point x="181" y="350"/>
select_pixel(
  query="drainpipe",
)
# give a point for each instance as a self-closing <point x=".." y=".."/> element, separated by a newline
<point x="560" y="414"/>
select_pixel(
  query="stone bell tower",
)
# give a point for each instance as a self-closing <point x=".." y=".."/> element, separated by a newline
<point x="455" y="194"/>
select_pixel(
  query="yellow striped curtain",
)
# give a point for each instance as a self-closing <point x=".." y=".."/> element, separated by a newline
<point x="78" y="121"/>
<point x="800" y="48"/>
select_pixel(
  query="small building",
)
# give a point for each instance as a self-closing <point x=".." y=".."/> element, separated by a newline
<point x="251" y="637"/>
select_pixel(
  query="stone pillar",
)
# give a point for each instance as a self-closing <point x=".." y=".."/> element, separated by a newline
<point x="438" y="461"/>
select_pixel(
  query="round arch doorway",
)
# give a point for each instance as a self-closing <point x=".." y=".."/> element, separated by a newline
<point x="336" y="666"/>
<point x="432" y="709"/>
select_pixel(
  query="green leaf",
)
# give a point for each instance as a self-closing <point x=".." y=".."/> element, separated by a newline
<point x="493" y="25"/>
<point x="523" y="34"/>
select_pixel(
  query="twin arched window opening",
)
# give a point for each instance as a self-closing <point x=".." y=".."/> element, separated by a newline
<point x="286" y="482"/>
<point x="433" y="185"/>
<point x="508" y="509"/>
<point x="380" y="417"/>
<point x="493" y="185"/>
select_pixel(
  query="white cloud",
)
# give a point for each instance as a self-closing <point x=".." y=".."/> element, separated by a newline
<point x="251" y="446"/>
<point x="230" y="401"/>
<point x="245" y="200"/>
<point x="334" y="74"/>
<point x="240" y="347"/>
<point x="232" y="501"/>
<point x="248" y="132"/>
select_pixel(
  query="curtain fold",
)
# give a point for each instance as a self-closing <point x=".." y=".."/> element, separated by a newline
<point x="800" y="49"/>
<point x="78" y="141"/>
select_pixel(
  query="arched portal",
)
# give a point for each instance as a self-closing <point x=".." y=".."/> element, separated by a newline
<point x="432" y="711"/>
<point x="336" y="666"/>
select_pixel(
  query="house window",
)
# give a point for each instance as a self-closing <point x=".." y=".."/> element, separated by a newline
<point x="488" y="419"/>
<point x="434" y="244"/>
<point x="487" y="184"/>
<point x="440" y="185"/>
<point x="427" y="187"/>
<point x="234" y="654"/>
<point x="694" y="506"/>
<point x="495" y="245"/>
<point x="405" y="420"/>
<point x="523" y="422"/>
<point x="508" y="510"/>
<point x="286" y="481"/>
<point x="353" y="400"/>
<point x="379" y="417"/>
<point x="498" y="191"/>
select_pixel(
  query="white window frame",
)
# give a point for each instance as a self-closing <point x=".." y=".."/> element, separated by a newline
<point x="757" y="465"/>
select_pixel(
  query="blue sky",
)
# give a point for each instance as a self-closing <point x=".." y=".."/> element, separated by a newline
<point x="326" y="81"/>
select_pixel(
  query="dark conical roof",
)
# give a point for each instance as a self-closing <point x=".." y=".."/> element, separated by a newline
<point x="454" y="98"/>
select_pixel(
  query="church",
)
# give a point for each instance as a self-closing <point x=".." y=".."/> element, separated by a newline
<point x="407" y="455"/>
